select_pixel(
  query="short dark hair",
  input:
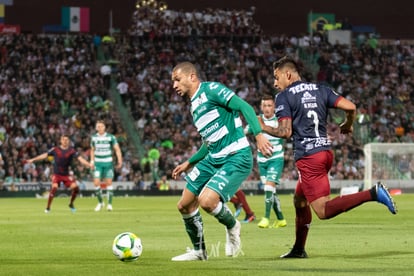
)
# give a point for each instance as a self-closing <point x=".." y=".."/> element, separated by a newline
<point x="267" y="97"/>
<point x="100" y="121"/>
<point x="286" y="61"/>
<point x="187" y="68"/>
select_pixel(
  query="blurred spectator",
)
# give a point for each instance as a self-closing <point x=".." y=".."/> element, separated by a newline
<point x="139" y="184"/>
<point x="147" y="167"/>
<point x="2" y="186"/>
<point x="404" y="167"/>
<point x="163" y="184"/>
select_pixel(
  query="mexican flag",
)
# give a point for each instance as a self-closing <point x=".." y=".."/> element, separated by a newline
<point x="75" y="19"/>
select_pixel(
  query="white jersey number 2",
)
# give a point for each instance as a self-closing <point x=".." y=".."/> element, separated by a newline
<point x="314" y="115"/>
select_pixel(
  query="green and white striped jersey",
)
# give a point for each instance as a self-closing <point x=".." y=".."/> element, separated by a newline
<point x="103" y="145"/>
<point x="219" y="127"/>
<point x="276" y="142"/>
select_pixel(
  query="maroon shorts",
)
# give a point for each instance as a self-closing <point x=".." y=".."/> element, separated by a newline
<point x="67" y="180"/>
<point x="313" y="180"/>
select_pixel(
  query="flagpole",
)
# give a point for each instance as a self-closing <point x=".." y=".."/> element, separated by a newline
<point x="110" y="22"/>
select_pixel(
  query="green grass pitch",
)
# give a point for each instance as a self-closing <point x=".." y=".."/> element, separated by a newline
<point x="365" y="241"/>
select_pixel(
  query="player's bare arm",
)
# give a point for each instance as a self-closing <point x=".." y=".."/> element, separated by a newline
<point x="118" y="156"/>
<point x="92" y="157"/>
<point x="346" y="127"/>
<point x="284" y="130"/>
<point x="350" y="111"/>
<point x="84" y="162"/>
<point x="37" y="158"/>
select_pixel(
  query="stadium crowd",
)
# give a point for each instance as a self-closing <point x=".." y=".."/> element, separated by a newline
<point x="51" y="84"/>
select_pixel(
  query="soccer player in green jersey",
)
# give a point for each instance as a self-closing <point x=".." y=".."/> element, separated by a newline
<point x="271" y="168"/>
<point x="103" y="145"/>
<point x="221" y="164"/>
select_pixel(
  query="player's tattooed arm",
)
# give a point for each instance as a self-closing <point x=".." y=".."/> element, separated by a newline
<point x="284" y="130"/>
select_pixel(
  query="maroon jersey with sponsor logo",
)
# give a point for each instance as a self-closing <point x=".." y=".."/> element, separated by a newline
<point x="62" y="159"/>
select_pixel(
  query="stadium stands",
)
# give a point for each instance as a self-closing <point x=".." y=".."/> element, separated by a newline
<point x="52" y="84"/>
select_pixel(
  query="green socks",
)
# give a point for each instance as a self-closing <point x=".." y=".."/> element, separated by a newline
<point x="194" y="227"/>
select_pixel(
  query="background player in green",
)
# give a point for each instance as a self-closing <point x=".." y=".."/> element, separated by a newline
<point x="271" y="168"/>
<point x="221" y="164"/>
<point x="103" y="145"/>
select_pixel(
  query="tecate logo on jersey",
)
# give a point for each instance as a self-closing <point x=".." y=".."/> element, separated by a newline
<point x="303" y="87"/>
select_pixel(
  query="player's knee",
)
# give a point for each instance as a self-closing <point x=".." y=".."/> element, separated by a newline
<point x="184" y="208"/>
<point x="53" y="190"/>
<point x="299" y="202"/>
<point x="206" y="206"/>
<point x="208" y="200"/>
<point x="180" y="207"/>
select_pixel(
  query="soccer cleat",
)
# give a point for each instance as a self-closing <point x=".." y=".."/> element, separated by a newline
<point x="264" y="223"/>
<point x="279" y="223"/>
<point x="99" y="207"/>
<point x="233" y="242"/>
<point x="249" y="218"/>
<point x="72" y="208"/>
<point x="47" y="210"/>
<point x="109" y="207"/>
<point x="191" y="255"/>
<point x="384" y="197"/>
<point x="295" y="253"/>
<point x="238" y="210"/>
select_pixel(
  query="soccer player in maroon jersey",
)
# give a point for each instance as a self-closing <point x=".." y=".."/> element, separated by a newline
<point x="302" y="109"/>
<point x="63" y="156"/>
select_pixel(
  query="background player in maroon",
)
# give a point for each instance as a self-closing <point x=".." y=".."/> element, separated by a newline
<point x="240" y="202"/>
<point x="302" y="109"/>
<point x="63" y="156"/>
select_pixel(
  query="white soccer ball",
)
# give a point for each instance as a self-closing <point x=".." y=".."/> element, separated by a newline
<point x="127" y="247"/>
